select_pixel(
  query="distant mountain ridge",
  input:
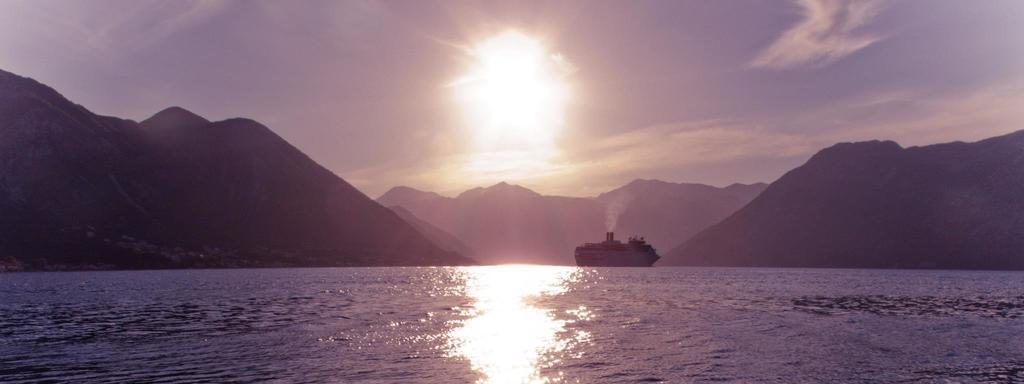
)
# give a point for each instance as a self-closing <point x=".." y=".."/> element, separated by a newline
<point x="667" y="214"/>
<point x="508" y="223"/>
<point x="439" y="237"/>
<point x="878" y="205"/>
<point x="78" y="190"/>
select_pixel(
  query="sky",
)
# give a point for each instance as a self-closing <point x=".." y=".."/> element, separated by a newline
<point x="387" y="93"/>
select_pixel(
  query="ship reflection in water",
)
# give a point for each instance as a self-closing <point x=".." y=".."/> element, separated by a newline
<point x="506" y="336"/>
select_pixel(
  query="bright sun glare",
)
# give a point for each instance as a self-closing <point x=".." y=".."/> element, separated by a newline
<point x="514" y="97"/>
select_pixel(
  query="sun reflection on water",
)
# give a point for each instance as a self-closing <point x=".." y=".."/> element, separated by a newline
<point x="506" y="337"/>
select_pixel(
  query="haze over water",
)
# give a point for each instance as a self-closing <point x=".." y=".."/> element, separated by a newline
<point x="513" y="324"/>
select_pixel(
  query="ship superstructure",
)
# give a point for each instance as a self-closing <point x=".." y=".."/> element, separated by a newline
<point x="613" y="253"/>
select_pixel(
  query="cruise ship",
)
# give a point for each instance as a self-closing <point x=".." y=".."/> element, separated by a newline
<point x="613" y="253"/>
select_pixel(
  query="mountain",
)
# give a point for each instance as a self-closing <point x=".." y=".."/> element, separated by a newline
<point x="438" y="236"/>
<point x="878" y="205"/>
<point x="507" y="223"/>
<point x="79" y="190"/>
<point x="667" y="214"/>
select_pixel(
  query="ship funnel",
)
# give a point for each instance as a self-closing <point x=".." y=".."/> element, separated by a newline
<point x="609" y="236"/>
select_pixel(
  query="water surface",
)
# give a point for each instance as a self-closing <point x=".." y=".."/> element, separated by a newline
<point x="513" y="324"/>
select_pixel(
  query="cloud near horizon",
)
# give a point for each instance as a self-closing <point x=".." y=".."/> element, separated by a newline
<point x="829" y="31"/>
<point x="703" y="148"/>
<point x="599" y="166"/>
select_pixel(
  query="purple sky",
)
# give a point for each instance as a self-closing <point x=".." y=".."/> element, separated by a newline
<point x="703" y="91"/>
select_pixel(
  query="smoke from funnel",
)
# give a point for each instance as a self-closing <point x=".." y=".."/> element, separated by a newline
<point x="616" y="206"/>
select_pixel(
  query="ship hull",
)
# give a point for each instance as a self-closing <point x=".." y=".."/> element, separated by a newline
<point x="615" y="259"/>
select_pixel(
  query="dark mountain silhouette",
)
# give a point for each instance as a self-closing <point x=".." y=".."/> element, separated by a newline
<point x="877" y="205"/>
<point x="508" y="223"/>
<point x="78" y="190"/>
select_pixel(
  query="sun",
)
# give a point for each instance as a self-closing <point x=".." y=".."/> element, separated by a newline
<point x="513" y="96"/>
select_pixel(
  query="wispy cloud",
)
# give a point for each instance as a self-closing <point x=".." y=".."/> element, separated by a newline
<point x="828" y="32"/>
<point x="602" y="163"/>
<point x="692" y="143"/>
<point x="918" y="118"/>
<point x="685" y="145"/>
<point x="700" y="148"/>
<point x="147" y="24"/>
<point x="100" y="30"/>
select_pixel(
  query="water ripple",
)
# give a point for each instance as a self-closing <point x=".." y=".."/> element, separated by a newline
<point x="512" y="324"/>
